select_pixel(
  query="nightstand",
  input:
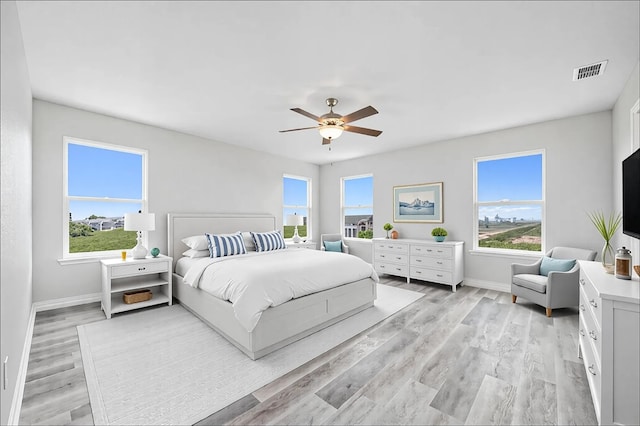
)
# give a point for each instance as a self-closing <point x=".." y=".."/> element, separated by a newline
<point x="118" y="277"/>
<point x="302" y="245"/>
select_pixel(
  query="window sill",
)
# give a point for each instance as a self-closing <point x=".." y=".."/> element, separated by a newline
<point x="84" y="259"/>
<point x="507" y="254"/>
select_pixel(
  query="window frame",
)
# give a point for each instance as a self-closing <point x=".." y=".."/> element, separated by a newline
<point x="66" y="198"/>
<point x="477" y="204"/>
<point x="344" y="207"/>
<point x="296" y="207"/>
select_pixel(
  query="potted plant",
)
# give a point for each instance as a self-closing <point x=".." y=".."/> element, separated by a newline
<point x="607" y="228"/>
<point x="387" y="227"/>
<point x="439" y="234"/>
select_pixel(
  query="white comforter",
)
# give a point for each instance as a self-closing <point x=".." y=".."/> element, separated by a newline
<point x="254" y="281"/>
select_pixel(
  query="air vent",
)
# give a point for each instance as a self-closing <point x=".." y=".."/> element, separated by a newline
<point x="587" y="71"/>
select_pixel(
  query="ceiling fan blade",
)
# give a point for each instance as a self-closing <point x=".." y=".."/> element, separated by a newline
<point x="301" y="128"/>
<point x="362" y="113"/>
<point x="326" y="141"/>
<point x="306" y="114"/>
<point x="362" y="130"/>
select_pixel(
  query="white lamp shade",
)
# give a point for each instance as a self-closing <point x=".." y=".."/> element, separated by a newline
<point x="139" y="221"/>
<point x="294" y="220"/>
<point x="331" y="131"/>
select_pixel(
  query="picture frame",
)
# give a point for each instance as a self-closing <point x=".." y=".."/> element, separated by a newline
<point x="421" y="203"/>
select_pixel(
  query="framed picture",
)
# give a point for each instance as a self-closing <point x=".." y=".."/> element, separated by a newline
<point x="418" y="203"/>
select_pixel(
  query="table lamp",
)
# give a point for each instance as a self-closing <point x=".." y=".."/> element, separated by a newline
<point x="295" y="220"/>
<point x="139" y="222"/>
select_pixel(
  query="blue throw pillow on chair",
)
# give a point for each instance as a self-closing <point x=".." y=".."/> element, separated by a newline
<point x="333" y="246"/>
<point x="550" y="264"/>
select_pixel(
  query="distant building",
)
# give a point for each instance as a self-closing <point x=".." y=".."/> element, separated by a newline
<point x="356" y="223"/>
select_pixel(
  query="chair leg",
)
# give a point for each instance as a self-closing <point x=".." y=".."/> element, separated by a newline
<point x="513" y="298"/>
<point x="549" y="312"/>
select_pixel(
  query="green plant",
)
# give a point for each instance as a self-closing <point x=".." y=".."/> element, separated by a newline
<point x="387" y="227"/>
<point x="368" y="234"/>
<point x="607" y="228"/>
<point x="439" y="232"/>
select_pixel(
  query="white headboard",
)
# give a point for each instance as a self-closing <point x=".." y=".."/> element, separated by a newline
<point x="181" y="225"/>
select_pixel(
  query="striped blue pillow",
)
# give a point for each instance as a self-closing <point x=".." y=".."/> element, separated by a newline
<point x="266" y="241"/>
<point x="225" y="245"/>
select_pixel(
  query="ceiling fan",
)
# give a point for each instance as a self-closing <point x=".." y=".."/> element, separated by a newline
<point x="331" y="125"/>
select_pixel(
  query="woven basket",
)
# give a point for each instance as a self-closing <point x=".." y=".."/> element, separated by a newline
<point x="136" y="296"/>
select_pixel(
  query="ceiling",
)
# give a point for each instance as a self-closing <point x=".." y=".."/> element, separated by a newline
<point x="230" y="71"/>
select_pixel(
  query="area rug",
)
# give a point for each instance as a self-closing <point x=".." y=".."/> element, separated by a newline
<point x="165" y="366"/>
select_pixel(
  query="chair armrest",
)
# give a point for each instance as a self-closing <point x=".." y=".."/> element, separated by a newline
<point x="520" y="268"/>
<point x="345" y="248"/>
<point x="322" y="247"/>
<point x="563" y="288"/>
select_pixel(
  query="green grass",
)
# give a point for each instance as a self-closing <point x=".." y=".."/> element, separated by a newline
<point x="117" y="239"/>
<point x="302" y="231"/>
<point x="504" y="240"/>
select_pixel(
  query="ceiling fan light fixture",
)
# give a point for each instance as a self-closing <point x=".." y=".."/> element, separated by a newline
<point x="331" y="131"/>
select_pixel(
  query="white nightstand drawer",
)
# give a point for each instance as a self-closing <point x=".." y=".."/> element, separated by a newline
<point x="442" y="252"/>
<point x="392" y="269"/>
<point x="139" y="269"/>
<point x="432" y="262"/>
<point x="391" y="257"/>
<point x="431" y="275"/>
<point x="393" y="247"/>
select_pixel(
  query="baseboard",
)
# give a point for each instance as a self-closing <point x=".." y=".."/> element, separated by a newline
<point x="16" y="403"/>
<point x="489" y="285"/>
<point x="65" y="302"/>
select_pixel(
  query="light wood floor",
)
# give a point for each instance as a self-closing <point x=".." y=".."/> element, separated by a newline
<point x="470" y="357"/>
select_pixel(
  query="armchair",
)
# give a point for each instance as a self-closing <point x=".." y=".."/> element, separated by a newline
<point x="333" y="238"/>
<point x="556" y="289"/>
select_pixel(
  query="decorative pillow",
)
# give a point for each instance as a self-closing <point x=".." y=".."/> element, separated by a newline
<point x="248" y="241"/>
<point x="266" y="241"/>
<point x="196" y="253"/>
<point x="333" y="246"/>
<point x="197" y="242"/>
<point x="225" y="245"/>
<point x="550" y="264"/>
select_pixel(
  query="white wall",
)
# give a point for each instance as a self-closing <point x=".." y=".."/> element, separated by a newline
<point x="186" y="174"/>
<point x="578" y="173"/>
<point x="623" y="145"/>
<point x="15" y="286"/>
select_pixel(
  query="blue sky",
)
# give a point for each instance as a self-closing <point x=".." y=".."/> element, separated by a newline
<point x="514" y="179"/>
<point x="97" y="172"/>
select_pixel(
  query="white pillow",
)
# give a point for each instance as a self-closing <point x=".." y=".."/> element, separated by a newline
<point x="196" y="253"/>
<point x="248" y="241"/>
<point x="197" y="242"/>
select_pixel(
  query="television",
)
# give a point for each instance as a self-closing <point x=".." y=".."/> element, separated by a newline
<point x="631" y="195"/>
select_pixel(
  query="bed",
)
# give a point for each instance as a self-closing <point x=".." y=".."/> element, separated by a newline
<point x="277" y="326"/>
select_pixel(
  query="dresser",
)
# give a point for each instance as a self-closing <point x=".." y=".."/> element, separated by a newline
<point x="420" y="259"/>
<point x="609" y="338"/>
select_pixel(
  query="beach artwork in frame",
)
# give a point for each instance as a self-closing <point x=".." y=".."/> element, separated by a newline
<point x="418" y="203"/>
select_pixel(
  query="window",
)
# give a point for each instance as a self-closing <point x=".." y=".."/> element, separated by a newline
<point x="357" y="206"/>
<point x="102" y="183"/>
<point x="296" y="200"/>
<point x="509" y="202"/>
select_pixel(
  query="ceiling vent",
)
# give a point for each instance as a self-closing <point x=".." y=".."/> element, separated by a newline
<point x="587" y="71"/>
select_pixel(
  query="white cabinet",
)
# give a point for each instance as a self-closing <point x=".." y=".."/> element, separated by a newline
<point x="420" y="259"/>
<point x="609" y="337"/>
<point x="119" y="277"/>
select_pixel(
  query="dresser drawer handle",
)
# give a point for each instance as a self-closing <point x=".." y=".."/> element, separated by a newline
<point x="399" y="269"/>
<point x="381" y="266"/>
<point x="141" y="268"/>
<point x="582" y="332"/>
<point x="429" y="250"/>
<point x="581" y="281"/>
<point x="439" y="275"/>
<point x="581" y="307"/>
<point x="398" y="258"/>
<point x="383" y="256"/>
<point x="419" y="260"/>
<point x="439" y="263"/>
<point x="592" y="370"/>
<point x="593" y="335"/>
<point x="418" y="249"/>
<point x="439" y="251"/>
<point x="593" y="303"/>
<point x="418" y="272"/>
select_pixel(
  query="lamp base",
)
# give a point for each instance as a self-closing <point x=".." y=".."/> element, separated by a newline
<point x="139" y="251"/>
<point x="296" y="238"/>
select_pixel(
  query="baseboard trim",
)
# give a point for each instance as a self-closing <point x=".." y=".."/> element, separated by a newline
<point x="489" y="285"/>
<point x="16" y="403"/>
<point x="65" y="302"/>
